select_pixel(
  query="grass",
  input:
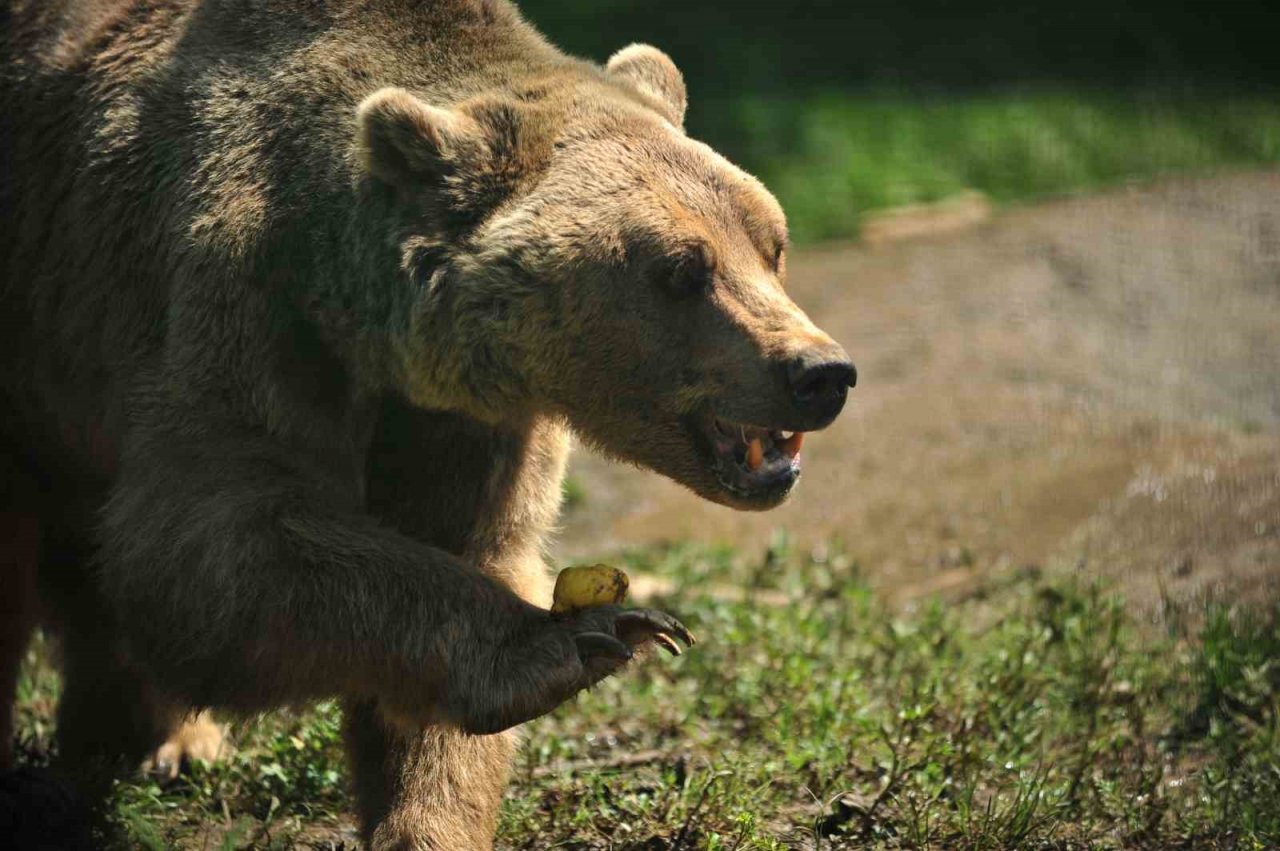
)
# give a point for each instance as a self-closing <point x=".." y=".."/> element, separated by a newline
<point x="832" y="158"/>
<point x="1040" y="715"/>
<point x="573" y="492"/>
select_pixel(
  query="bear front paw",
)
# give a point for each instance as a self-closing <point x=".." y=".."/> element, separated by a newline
<point x="565" y="654"/>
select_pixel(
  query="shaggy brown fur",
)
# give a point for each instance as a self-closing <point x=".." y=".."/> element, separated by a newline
<point x="302" y="300"/>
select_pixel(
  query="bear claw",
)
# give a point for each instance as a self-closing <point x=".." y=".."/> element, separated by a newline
<point x="654" y="623"/>
<point x="667" y="643"/>
<point x="601" y="644"/>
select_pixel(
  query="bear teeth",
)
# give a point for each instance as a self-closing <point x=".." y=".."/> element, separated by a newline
<point x="755" y="446"/>
<point x="790" y="446"/>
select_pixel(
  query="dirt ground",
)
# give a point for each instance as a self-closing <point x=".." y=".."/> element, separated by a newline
<point x="1090" y="385"/>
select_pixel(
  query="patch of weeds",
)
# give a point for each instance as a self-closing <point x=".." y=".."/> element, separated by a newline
<point x="39" y="687"/>
<point x="831" y="158"/>
<point x="1237" y="677"/>
<point x="1041" y="716"/>
<point x="1237" y="666"/>
<point x="285" y="773"/>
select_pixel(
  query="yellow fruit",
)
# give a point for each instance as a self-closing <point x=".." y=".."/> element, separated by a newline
<point x="589" y="586"/>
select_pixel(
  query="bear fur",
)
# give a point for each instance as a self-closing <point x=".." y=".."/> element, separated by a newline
<point x="302" y="303"/>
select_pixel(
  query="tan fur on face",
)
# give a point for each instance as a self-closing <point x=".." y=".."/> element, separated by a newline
<point x="580" y="268"/>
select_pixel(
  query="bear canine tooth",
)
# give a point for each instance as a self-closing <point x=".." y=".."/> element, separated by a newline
<point x="791" y="446"/>
<point x="755" y="454"/>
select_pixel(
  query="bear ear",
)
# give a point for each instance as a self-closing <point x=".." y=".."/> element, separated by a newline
<point x="400" y="139"/>
<point x="653" y="73"/>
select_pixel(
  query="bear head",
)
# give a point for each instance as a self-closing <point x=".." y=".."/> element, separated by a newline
<point x="572" y="252"/>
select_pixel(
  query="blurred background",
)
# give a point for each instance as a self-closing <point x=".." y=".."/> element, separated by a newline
<point x="845" y="107"/>
<point x="1048" y="235"/>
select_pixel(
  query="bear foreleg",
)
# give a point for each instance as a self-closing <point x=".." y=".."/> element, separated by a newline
<point x="436" y="789"/>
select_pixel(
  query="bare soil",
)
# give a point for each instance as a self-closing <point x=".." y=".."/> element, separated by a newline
<point x="1091" y="385"/>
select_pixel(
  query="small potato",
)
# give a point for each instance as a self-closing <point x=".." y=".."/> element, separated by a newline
<point x="589" y="586"/>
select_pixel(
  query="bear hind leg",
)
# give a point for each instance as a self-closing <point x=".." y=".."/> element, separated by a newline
<point x="109" y="717"/>
<point x="198" y="736"/>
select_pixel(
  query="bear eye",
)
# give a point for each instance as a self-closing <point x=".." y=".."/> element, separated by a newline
<point x="691" y="273"/>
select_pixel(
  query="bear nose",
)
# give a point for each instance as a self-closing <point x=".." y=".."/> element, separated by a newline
<point x="820" y="380"/>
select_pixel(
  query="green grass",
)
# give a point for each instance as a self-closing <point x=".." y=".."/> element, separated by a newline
<point x="830" y="159"/>
<point x="573" y="493"/>
<point x="1038" y="715"/>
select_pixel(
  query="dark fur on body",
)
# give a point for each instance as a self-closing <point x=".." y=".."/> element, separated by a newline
<point x="287" y="399"/>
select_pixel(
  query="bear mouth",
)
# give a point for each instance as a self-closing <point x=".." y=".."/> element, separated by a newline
<point x="754" y="463"/>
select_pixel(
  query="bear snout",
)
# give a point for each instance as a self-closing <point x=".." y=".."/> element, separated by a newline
<point x="819" y="380"/>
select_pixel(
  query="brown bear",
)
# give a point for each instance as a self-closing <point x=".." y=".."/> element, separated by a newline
<point x="302" y="301"/>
